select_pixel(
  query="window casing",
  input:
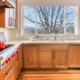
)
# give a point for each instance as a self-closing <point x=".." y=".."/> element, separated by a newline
<point x="36" y="27"/>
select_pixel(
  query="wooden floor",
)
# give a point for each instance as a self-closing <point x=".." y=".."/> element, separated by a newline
<point x="50" y="75"/>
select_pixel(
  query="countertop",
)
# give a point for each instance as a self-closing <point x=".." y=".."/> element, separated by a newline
<point x="44" y="42"/>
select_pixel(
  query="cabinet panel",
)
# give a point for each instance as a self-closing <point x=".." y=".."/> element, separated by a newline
<point x="54" y="47"/>
<point x="2" y="17"/>
<point x="74" y="56"/>
<point x="61" y="59"/>
<point x="30" y="56"/>
<point x="12" y="77"/>
<point x="20" y="56"/>
<point x="7" y="17"/>
<point x="45" y="59"/>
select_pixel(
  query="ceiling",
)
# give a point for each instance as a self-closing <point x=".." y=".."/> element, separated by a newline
<point x="50" y="2"/>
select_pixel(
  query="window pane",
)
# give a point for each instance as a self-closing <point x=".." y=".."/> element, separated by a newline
<point x="50" y="19"/>
<point x="70" y="16"/>
<point x="29" y="19"/>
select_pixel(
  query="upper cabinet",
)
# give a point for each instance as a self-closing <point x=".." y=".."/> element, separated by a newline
<point x="7" y="18"/>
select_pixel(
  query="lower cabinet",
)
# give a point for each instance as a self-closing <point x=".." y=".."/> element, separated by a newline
<point x="53" y="56"/>
<point x="45" y="56"/>
<point x="12" y="68"/>
<point x="12" y="76"/>
<point x="30" y="57"/>
<point x="53" y="59"/>
<point x="18" y="62"/>
<point x="46" y="59"/>
<point x="61" y="59"/>
<point x="8" y="72"/>
<point x="74" y="56"/>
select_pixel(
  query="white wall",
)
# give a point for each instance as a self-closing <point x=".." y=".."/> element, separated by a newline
<point x="50" y="2"/>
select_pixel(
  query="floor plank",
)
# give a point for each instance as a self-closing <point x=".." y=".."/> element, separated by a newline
<point x="49" y="75"/>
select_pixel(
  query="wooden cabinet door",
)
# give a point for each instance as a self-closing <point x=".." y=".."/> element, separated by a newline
<point x="61" y="59"/>
<point x="74" y="56"/>
<point x="30" y="57"/>
<point x="20" y="57"/>
<point x="2" y="17"/>
<point x="18" y="62"/>
<point x="46" y="59"/>
<point x="11" y="76"/>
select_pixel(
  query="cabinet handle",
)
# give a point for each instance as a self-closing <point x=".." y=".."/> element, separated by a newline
<point x="53" y="54"/>
<point x="10" y="21"/>
<point x="10" y="70"/>
<point x="14" y="22"/>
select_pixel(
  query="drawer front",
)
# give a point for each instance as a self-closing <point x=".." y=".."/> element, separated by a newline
<point x="11" y="76"/>
<point x="7" y="70"/>
<point x="54" y="47"/>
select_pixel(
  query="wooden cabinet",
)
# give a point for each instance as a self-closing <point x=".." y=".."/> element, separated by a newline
<point x="18" y="62"/>
<point x="30" y="57"/>
<point x="20" y="57"/>
<point x="12" y="77"/>
<point x="7" y="18"/>
<point x="2" y="17"/>
<point x="61" y="58"/>
<point x="8" y="72"/>
<point x="53" y="56"/>
<point x="74" y="56"/>
<point x="46" y="59"/>
<point x="12" y="69"/>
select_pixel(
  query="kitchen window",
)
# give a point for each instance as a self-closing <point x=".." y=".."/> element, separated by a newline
<point x="49" y="20"/>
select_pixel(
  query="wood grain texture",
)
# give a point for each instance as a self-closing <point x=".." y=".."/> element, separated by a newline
<point x="46" y="59"/>
<point x="74" y="56"/>
<point x="2" y="17"/>
<point x="54" y="46"/>
<point x="49" y="76"/>
<point x="18" y="62"/>
<point x="61" y="59"/>
<point x="54" y="56"/>
<point x="30" y="57"/>
<point x="4" y="76"/>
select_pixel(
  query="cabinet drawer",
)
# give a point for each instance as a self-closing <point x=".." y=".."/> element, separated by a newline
<point x="7" y="70"/>
<point x="54" y="47"/>
<point x="11" y="72"/>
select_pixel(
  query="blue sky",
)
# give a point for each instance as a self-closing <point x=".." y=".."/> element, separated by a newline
<point x="32" y="13"/>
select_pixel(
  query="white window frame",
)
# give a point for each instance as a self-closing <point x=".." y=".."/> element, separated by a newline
<point x="22" y="23"/>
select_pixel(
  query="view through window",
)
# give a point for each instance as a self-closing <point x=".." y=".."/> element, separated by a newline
<point x="48" y="19"/>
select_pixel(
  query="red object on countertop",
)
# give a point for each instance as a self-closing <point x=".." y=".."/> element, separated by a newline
<point x="2" y="44"/>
